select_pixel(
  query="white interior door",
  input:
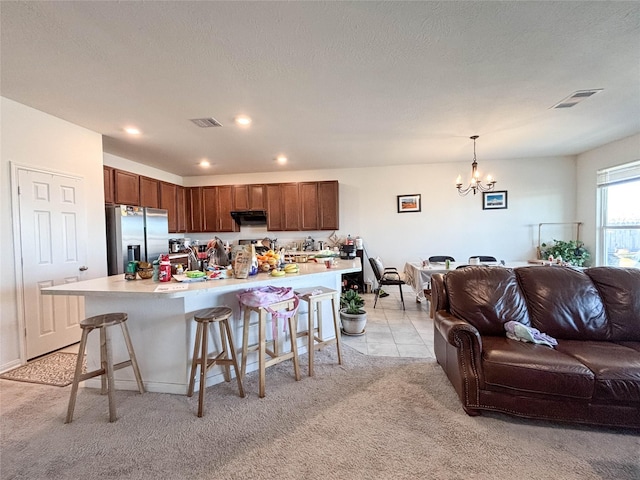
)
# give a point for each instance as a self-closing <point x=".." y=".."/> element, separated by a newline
<point x="53" y="240"/>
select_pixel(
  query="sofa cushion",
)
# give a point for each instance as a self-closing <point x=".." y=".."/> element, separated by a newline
<point x="528" y="367"/>
<point x="486" y="297"/>
<point x="616" y="368"/>
<point x="620" y="291"/>
<point x="564" y="303"/>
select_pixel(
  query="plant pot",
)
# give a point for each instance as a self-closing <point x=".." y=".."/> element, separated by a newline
<point x="353" y="323"/>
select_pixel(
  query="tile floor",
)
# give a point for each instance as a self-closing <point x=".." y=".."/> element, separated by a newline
<point x="393" y="332"/>
<point x="390" y="331"/>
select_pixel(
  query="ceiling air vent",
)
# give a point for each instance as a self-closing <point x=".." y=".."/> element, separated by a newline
<point x="206" y="122"/>
<point x="576" y="97"/>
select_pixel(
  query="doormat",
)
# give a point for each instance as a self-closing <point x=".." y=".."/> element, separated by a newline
<point x="56" y="369"/>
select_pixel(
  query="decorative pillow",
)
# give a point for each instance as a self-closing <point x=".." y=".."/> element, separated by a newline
<point x="379" y="265"/>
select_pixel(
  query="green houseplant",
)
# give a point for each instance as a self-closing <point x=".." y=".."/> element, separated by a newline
<point x="573" y="252"/>
<point x="353" y="317"/>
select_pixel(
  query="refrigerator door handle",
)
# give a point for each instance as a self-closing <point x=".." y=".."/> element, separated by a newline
<point x="83" y="268"/>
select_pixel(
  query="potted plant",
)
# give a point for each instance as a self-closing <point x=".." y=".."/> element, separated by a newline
<point x="353" y="317"/>
<point x="571" y="252"/>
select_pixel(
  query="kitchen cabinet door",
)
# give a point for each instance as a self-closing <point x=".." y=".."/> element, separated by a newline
<point x="209" y="209"/>
<point x="290" y="206"/>
<point x="169" y="201"/>
<point x="126" y="188"/>
<point x="240" y="197"/>
<point x="328" y="206"/>
<point x="149" y="188"/>
<point x="226" y="223"/>
<point x="194" y="195"/>
<point x="274" y="207"/>
<point x="182" y="210"/>
<point x="257" y="200"/>
<point x="107" y="173"/>
<point x="308" y="205"/>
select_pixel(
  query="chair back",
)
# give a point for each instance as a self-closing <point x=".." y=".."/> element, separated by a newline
<point x="482" y="258"/>
<point x="441" y="258"/>
<point x="376" y="267"/>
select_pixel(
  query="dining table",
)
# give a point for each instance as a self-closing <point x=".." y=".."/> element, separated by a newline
<point x="418" y="274"/>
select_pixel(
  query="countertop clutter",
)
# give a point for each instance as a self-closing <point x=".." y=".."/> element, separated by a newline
<point x="157" y="311"/>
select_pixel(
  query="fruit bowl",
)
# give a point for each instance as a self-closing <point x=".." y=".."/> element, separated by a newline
<point x="145" y="273"/>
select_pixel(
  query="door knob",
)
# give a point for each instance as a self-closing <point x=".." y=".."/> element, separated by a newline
<point x="83" y="268"/>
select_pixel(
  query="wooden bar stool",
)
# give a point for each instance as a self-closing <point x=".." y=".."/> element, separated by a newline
<point x="103" y="322"/>
<point x="261" y="346"/>
<point x="226" y="357"/>
<point x="314" y="296"/>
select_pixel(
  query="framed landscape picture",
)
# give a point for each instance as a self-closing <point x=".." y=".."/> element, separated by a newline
<point x="494" y="200"/>
<point x="409" y="203"/>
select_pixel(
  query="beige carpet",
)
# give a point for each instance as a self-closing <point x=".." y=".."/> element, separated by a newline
<point x="373" y="418"/>
<point x="56" y="369"/>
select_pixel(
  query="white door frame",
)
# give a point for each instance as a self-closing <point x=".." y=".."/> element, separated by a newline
<point x="17" y="247"/>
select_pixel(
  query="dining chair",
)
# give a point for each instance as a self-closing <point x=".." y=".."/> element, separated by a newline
<point x="441" y="258"/>
<point x="482" y="258"/>
<point x="385" y="276"/>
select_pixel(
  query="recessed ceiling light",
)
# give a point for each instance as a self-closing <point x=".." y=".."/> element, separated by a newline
<point x="281" y="159"/>
<point x="243" y="120"/>
<point x="204" y="163"/>
<point x="132" y="131"/>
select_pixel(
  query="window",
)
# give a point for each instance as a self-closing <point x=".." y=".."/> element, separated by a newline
<point x="619" y="213"/>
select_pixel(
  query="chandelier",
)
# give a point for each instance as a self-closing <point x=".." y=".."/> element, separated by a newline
<point x="475" y="184"/>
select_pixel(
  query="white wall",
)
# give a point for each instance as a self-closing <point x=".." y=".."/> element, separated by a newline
<point x="32" y="138"/>
<point x="588" y="164"/>
<point x="134" y="167"/>
<point x="539" y="190"/>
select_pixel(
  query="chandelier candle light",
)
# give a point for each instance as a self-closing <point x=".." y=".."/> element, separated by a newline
<point x="475" y="184"/>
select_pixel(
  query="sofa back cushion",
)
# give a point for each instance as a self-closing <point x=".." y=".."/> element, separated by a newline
<point x="486" y="297"/>
<point x="620" y="291"/>
<point x="563" y="303"/>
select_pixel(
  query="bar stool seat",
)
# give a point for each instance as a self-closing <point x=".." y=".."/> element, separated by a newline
<point x="261" y="346"/>
<point x="314" y="296"/>
<point x="102" y="323"/>
<point x="226" y="357"/>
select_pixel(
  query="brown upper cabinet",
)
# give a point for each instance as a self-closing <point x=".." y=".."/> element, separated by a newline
<point x="249" y="197"/>
<point x="328" y="206"/>
<point x="126" y="188"/>
<point x="169" y="201"/>
<point x="149" y="192"/>
<point x="108" y="184"/>
<point x="195" y="207"/>
<point x="290" y="206"/>
<point x="217" y="205"/>
<point x="308" y="192"/>
<point x="274" y="206"/>
<point x="182" y="209"/>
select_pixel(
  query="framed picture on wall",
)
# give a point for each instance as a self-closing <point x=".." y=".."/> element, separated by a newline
<point x="494" y="200"/>
<point x="409" y="203"/>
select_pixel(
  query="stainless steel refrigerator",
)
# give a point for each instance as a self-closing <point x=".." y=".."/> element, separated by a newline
<point x="135" y="233"/>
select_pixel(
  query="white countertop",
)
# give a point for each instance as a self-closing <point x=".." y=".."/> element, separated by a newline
<point x="117" y="286"/>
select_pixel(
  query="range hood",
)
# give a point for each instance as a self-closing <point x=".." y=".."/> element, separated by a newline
<point x="250" y="217"/>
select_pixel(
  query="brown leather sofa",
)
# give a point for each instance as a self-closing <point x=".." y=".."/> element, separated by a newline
<point x="592" y="376"/>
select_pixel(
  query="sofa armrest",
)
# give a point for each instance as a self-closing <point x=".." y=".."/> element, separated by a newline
<point x="460" y="354"/>
<point x="453" y="329"/>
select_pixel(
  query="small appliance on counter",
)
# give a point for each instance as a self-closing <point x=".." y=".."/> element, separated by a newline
<point x="347" y="252"/>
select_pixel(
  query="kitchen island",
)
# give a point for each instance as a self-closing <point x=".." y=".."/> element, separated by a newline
<point x="161" y="324"/>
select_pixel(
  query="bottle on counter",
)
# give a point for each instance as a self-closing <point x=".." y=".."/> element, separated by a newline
<point x="165" y="269"/>
<point x="179" y="269"/>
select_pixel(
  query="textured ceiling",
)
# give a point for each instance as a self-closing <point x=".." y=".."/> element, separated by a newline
<point x="329" y="84"/>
